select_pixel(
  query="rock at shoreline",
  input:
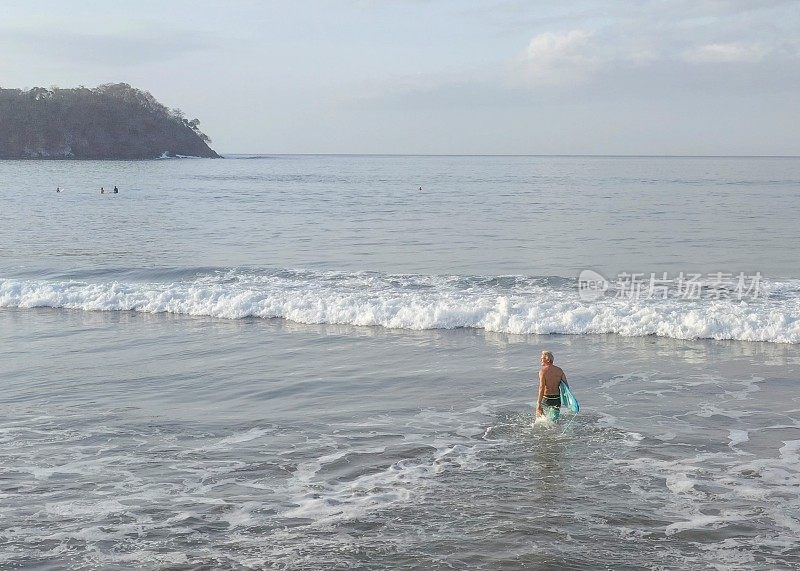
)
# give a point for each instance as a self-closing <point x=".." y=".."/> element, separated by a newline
<point x="114" y="121"/>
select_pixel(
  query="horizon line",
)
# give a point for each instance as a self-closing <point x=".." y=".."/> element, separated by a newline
<point x="222" y="153"/>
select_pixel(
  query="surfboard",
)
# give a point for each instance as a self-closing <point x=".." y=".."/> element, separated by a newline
<point x="568" y="399"/>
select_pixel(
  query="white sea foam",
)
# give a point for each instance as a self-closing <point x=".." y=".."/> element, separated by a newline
<point x="508" y="304"/>
<point x="697" y="522"/>
<point x="545" y="422"/>
<point x="87" y="507"/>
<point x="679" y="482"/>
<point x="350" y="499"/>
<point x="790" y="451"/>
<point x="737" y="437"/>
<point x="252" y="434"/>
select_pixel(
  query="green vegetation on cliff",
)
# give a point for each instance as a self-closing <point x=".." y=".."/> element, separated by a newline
<point x="113" y="121"/>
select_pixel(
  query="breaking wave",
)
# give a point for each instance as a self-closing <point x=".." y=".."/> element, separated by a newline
<point x="507" y="304"/>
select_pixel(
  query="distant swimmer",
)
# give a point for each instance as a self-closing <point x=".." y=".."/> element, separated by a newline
<point x="420" y="188"/>
<point x="116" y="190"/>
<point x="58" y="189"/>
<point x="102" y="190"/>
<point x="550" y="379"/>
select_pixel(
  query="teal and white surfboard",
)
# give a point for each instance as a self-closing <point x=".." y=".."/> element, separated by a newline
<point x="568" y="399"/>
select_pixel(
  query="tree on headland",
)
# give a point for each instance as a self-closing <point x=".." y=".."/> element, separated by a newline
<point x="110" y="121"/>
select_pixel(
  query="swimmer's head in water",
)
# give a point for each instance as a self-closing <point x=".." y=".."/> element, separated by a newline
<point x="547" y="357"/>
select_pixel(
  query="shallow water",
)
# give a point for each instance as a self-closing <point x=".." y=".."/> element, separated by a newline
<point x="161" y="440"/>
<point x="155" y="414"/>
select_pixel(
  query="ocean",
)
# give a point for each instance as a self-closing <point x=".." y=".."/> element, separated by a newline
<point x="330" y="362"/>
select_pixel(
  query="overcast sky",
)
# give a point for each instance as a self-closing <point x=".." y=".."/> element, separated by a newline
<point x="708" y="77"/>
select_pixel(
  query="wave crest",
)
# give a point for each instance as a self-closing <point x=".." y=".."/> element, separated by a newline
<point x="507" y="304"/>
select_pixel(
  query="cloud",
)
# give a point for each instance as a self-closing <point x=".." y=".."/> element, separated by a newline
<point x="726" y="53"/>
<point x="557" y="58"/>
<point x="550" y="47"/>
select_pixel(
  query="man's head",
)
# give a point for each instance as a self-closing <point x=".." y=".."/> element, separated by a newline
<point x="547" y="358"/>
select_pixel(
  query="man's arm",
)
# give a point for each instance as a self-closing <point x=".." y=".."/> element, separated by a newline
<point x="539" y="398"/>
<point x="564" y="378"/>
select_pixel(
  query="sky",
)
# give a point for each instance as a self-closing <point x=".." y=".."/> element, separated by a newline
<point x="648" y="77"/>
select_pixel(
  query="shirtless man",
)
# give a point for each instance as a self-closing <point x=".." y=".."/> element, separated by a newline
<point x="550" y="378"/>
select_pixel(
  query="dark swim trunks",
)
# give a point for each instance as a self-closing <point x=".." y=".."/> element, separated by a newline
<point x="552" y="406"/>
<point x="552" y="400"/>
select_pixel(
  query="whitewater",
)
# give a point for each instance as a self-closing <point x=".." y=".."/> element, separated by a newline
<point x="506" y="304"/>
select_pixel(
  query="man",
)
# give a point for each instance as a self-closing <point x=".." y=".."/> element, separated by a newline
<point x="550" y="378"/>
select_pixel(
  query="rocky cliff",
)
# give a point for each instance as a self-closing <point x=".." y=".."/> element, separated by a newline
<point x="114" y="121"/>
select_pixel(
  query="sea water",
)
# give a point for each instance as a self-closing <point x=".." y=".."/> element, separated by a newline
<point x="318" y="362"/>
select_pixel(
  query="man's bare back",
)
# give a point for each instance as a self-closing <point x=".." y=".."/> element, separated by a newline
<point x="552" y="376"/>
